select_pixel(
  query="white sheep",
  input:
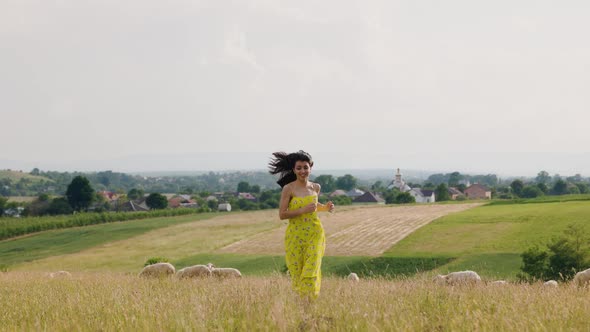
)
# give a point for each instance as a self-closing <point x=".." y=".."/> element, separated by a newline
<point x="224" y="272"/>
<point x="194" y="271"/>
<point x="550" y="283"/>
<point x="60" y="274"/>
<point x="158" y="270"/>
<point x="353" y="277"/>
<point x="461" y="277"/>
<point x="499" y="282"/>
<point x="582" y="277"/>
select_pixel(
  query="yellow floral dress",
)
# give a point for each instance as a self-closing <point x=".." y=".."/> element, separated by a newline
<point x="305" y="243"/>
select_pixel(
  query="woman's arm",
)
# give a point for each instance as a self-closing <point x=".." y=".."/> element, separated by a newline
<point x="328" y="207"/>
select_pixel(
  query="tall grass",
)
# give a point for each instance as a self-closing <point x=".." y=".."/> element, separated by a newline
<point x="109" y="302"/>
<point x="13" y="227"/>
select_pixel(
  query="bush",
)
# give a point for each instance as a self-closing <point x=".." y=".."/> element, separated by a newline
<point x="565" y="255"/>
<point x="404" y="198"/>
<point x="154" y="260"/>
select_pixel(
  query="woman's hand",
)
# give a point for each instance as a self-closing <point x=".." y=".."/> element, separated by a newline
<point x="331" y="207"/>
<point x="309" y="208"/>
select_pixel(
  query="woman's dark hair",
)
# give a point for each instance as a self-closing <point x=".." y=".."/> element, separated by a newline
<point x="283" y="164"/>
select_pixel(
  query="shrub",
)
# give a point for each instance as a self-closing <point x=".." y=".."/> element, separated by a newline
<point x="154" y="260"/>
<point x="565" y="255"/>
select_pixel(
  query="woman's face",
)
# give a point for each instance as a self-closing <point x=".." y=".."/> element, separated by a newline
<point x="302" y="169"/>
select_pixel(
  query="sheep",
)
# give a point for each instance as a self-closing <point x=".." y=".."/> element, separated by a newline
<point x="194" y="271"/>
<point x="582" y="277"/>
<point x="461" y="277"/>
<point x="353" y="277"/>
<point x="158" y="270"/>
<point x="550" y="283"/>
<point x="500" y="282"/>
<point x="59" y="274"/>
<point x="224" y="272"/>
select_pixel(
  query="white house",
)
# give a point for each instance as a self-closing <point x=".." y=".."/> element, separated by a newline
<point x="422" y="196"/>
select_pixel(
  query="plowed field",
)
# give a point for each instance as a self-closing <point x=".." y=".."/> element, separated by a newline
<point x="356" y="231"/>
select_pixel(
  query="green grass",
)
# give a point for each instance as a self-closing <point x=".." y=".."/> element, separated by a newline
<point x="543" y="199"/>
<point x="71" y="240"/>
<point x="15" y="176"/>
<point x="331" y="265"/>
<point x="489" y="239"/>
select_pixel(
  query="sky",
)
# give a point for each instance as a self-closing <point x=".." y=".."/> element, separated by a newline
<point x="477" y="87"/>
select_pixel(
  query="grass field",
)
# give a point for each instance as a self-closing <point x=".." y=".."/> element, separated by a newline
<point x="490" y="239"/>
<point x="486" y="239"/>
<point x="15" y="176"/>
<point x="115" y="302"/>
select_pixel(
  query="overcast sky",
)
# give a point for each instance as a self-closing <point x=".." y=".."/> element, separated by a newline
<point x="493" y="87"/>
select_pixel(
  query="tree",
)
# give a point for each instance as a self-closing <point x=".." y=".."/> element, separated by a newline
<point x="346" y="182"/>
<point x="156" y="201"/>
<point x="543" y="177"/>
<point x="79" y="193"/>
<point x="559" y="188"/>
<point x="377" y="186"/>
<point x="517" y="187"/>
<point x="543" y="187"/>
<point x="35" y="171"/>
<point x="255" y="189"/>
<point x="243" y="187"/>
<point x="3" y="201"/>
<point x="454" y="179"/>
<point x="134" y="194"/>
<point x="59" y="205"/>
<point x="403" y="198"/>
<point x="531" y="192"/>
<point x="441" y="193"/>
<point x="327" y="182"/>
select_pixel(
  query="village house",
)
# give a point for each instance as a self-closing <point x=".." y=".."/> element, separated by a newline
<point x="353" y="193"/>
<point x="454" y="193"/>
<point x="338" y="192"/>
<point x="422" y="195"/>
<point x="369" y="198"/>
<point x="182" y="201"/>
<point x="478" y="191"/>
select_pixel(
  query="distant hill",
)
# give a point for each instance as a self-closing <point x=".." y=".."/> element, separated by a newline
<point x="16" y="176"/>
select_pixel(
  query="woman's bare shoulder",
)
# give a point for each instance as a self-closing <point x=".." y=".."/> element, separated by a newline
<point x="316" y="187"/>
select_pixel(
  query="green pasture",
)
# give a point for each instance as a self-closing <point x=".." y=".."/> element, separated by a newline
<point x="71" y="240"/>
<point x="487" y="239"/>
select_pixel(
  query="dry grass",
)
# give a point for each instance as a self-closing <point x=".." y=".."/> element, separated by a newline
<point x="108" y="302"/>
<point x="360" y="231"/>
<point x="171" y="242"/>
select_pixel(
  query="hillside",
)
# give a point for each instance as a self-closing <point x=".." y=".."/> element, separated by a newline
<point x="16" y="176"/>
<point x="487" y="239"/>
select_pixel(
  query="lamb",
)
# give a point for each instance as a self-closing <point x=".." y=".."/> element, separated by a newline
<point x="158" y="270"/>
<point x="224" y="272"/>
<point x="194" y="271"/>
<point x="461" y="277"/>
<point x="59" y="274"/>
<point x="353" y="277"/>
<point x="550" y="283"/>
<point x="582" y="277"/>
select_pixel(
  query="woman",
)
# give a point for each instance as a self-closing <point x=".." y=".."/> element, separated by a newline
<point x="305" y="241"/>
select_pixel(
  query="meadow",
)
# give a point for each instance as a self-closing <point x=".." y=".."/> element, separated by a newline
<point x="115" y="302"/>
<point x="395" y="292"/>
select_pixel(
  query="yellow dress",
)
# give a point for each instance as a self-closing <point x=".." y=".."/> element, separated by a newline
<point x="305" y="243"/>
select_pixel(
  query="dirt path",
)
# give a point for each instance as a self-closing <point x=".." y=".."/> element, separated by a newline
<point x="356" y="231"/>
